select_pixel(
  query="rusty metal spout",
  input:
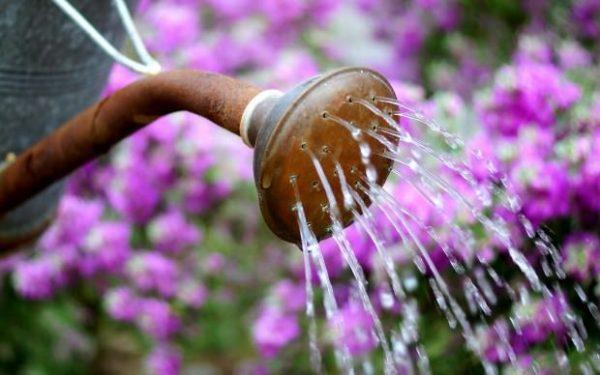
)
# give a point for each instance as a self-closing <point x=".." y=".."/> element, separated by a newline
<point x="94" y="131"/>
<point x="284" y="129"/>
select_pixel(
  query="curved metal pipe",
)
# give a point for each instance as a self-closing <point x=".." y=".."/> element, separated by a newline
<point x="94" y="131"/>
<point x="49" y="71"/>
<point x="292" y="133"/>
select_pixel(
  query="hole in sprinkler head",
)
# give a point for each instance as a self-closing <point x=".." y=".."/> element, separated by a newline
<point x="315" y="184"/>
<point x="293" y="178"/>
<point x="325" y="149"/>
<point x="353" y="170"/>
<point x="374" y="126"/>
<point x="335" y="172"/>
<point x="324" y="114"/>
<point x="303" y="145"/>
<point x="373" y="98"/>
<point x="324" y="207"/>
<point x="349" y="98"/>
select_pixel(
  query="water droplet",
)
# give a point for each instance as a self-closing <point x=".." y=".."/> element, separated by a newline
<point x="267" y="178"/>
<point x="387" y="299"/>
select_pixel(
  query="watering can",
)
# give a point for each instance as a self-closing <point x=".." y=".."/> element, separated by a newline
<point x="304" y="140"/>
<point x="49" y="71"/>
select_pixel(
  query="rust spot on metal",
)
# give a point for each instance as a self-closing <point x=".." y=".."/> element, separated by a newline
<point x="144" y="119"/>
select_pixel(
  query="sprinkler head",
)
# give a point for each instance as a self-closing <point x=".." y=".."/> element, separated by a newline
<point x="311" y="125"/>
<point x="286" y="129"/>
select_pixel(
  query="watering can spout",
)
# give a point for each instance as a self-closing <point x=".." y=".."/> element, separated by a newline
<point x="286" y="130"/>
<point x="99" y="127"/>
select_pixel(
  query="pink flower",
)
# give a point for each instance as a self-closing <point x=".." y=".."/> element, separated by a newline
<point x="157" y="319"/>
<point x="290" y="297"/>
<point x="106" y="248"/>
<point x="171" y="232"/>
<point x="273" y="330"/>
<point x="154" y="272"/>
<point x="122" y="304"/>
<point x="525" y="94"/>
<point x="353" y="328"/>
<point x="35" y="279"/>
<point x="192" y="293"/>
<point x="174" y="25"/>
<point x="164" y="360"/>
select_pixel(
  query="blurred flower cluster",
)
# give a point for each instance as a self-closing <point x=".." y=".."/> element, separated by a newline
<point x="159" y="249"/>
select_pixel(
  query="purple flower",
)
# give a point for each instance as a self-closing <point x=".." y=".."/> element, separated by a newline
<point x="197" y="164"/>
<point x="233" y="9"/>
<point x="588" y="180"/>
<point x="481" y="158"/>
<point x="322" y="10"/>
<point x="527" y="94"/>
<point x="120" y="77"/>
<point x="74" y="220"/>
<point x="537" y="322"/>
<point x="282" y="12"/>
<point x="361" y="245"/>
<point x="214" y="263"/>
<point x="152" y="271"/>
<point x="122" y="304"/>
<point x="581" y="252"/>
<point x="201" y="57"/>
<point x="550" y="314"/>
<point x="352" y="328"/>
<point x="492" y="339"/>
<point x="174" y="26"/>
<point x="164" y="360"/>
<point x="290" y="297"/>
<point x="134" y="193"/>
<point x="334" y="261"/>
<point x="171" y="233"/>
<point x="199" y="196"/>
<point x="106" y="248"/>
<point x="35" y="279"/>
<point x="534" y="142"/>
<point x="83" y="181"/>
<point x="192" y="293"/>
<point x="294" y="68"/>
<point x="157" y="319"/>
<point x="533" y="48"/>
<point x="410" y="36"/>
<point x="586" y="15"/>
<point x="273" y="330"/>
<point x="445" y="12"/>
<point x="571" y="55"/>
<point x="543" y="187"/>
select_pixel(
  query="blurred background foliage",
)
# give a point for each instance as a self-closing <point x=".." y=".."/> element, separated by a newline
<point x="159" y="260"/>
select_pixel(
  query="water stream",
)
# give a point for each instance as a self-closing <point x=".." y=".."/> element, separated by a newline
<point x="482" y="287"/>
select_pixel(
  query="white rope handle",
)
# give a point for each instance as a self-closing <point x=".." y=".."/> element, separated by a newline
<point x="148" y="66"/>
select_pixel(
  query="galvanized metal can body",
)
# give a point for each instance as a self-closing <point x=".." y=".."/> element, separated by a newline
<point x="49" y="71"/>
